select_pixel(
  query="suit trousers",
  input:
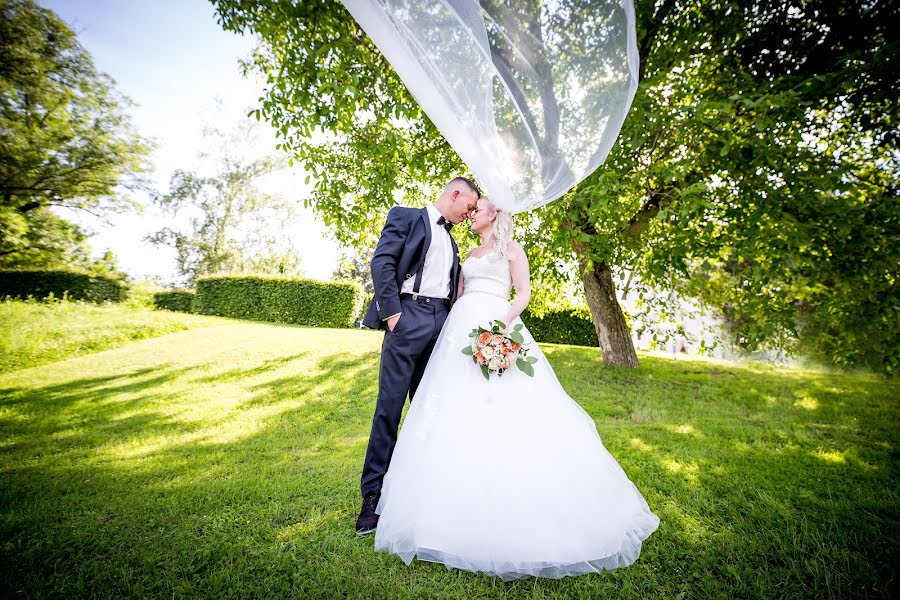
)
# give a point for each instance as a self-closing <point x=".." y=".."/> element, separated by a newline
<point x="404" y="355"/>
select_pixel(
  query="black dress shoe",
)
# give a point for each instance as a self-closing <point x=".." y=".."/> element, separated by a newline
<point x="368" y="518"/>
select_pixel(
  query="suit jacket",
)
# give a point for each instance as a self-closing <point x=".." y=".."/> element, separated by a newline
<point x="399" y="255"/>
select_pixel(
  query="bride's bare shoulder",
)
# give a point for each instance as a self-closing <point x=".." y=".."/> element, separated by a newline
<point x="514" y="250"/>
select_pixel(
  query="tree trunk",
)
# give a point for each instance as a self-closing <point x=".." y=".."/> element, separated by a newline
<point x="609" y="321"/>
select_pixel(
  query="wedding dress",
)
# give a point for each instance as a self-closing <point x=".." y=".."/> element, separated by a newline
<point x="507" y="476"/>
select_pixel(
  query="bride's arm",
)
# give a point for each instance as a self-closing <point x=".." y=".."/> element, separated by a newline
<point x="521" y="280"/>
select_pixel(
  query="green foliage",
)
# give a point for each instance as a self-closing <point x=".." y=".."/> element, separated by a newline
<point x="177" y="300"/>
<point x="561" y="327"/>
<point x="65" y="138"/>
<point x="280" y="300"/>
<point x="140" y="292"/>
<point x="74" y="285"/>
<point x="763" y="182"/>
<point x="761" y="140"/>
<point x="367" y="301"/>
<point x="43" y="240"/>
<point x="324" y="76"/>
<point x="234" y="227"/>
<point x="355" y="265"/>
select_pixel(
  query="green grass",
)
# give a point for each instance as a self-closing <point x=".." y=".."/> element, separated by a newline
<point x="224" y="461"/>
<point x="35" y="333"/>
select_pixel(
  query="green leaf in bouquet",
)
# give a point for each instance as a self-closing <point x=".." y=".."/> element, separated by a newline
<point x="531" y="359"/>
<point x="468" y="351"/>
<point x="517" y="337"/>
<point x="518" y="327"/>
<point x="500" y="324"/>
<point x="525" y="367"/>
<point x="486" y="372"/>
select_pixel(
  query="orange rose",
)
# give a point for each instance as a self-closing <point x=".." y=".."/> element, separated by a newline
<point x="515" y="346"/>
<point x="479" y="357"/>
<point x="484" y="338"/>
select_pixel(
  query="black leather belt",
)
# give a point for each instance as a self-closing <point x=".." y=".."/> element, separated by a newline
<point x="421" y="298"/>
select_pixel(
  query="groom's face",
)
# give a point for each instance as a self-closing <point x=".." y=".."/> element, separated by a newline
<point x="464" y="204"/>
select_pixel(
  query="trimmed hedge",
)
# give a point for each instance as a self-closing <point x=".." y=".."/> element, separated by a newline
<point x="279" y="299"/>
<point x="80" y="286"/>
<point x="178" y="300"/>
<point x="365" y="306"/>
<point x="561" y="327"/>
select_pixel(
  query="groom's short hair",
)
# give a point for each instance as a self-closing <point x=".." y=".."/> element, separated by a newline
<point x="468" y="182"/>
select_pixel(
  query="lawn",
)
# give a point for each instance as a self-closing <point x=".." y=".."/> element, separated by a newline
<point x="33" y="332"/>
<point x="223" y="460"/>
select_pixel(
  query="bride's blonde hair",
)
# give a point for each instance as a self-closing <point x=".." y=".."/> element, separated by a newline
<point x="501" y="227"/>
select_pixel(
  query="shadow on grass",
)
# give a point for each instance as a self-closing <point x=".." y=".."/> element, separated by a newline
<point x="244" y="482"/>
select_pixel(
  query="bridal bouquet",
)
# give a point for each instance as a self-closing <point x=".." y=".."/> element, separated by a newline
<point x="496" y="352"/>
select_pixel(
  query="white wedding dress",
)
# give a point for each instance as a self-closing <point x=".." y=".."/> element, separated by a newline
<point x="507" y="476"/>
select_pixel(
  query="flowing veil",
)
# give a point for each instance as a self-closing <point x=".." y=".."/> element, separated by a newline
<point x="530" y="94"/>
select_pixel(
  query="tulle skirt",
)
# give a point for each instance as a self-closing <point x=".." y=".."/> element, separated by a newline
<point x="507" y="476"/>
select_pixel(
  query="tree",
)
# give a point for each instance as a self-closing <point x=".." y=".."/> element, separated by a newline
<point x="759" y="130"/>
<point x="232" y="226"/>
<point x="65" y="137"/>
<point x="354" y="265"/>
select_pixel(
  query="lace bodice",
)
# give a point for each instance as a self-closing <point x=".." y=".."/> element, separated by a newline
<point x="488" y="274"/>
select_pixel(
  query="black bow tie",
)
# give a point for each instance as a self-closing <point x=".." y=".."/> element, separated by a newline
<point x="447" y="224"/>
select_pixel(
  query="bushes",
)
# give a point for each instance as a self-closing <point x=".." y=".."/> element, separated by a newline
<point x="179" y="300"/>
<point x="265" y="298"/>
<point x="77" y="285"/>
<point x="280" y="300"/>
<point x="561" y="327"/>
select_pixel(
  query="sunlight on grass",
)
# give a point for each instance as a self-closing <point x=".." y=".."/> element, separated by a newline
<point x="640" y="444"/>
<point x="313" y="524"/>
<point x="691" y="528"/>
<point x="832" y="457"/>
<point x="807" y="402"/>
<point x="688" y="471"/>
<point x="685" y="429"/>
<point x="235" y="425"/>
<point x="34" y="333"/>
<point x="224" y="460"/>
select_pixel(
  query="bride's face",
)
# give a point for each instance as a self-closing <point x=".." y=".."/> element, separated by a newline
<point x="481" y="217"/>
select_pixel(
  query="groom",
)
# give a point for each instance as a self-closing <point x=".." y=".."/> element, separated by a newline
<point x="415" y="270"/>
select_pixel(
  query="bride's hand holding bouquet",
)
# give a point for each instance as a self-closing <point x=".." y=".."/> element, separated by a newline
<point x="495" y="350"/>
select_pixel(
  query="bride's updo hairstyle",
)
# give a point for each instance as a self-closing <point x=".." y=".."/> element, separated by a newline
<point x="501" y="226"/>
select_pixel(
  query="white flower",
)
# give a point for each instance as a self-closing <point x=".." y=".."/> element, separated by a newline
<point x="487" y="352"/>
<point x="495" y="363"/>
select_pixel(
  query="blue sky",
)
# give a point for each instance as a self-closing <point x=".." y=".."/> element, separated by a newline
<point x="173" y="60"/>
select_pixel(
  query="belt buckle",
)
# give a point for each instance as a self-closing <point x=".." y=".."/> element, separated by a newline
<point x="415" y="295"/>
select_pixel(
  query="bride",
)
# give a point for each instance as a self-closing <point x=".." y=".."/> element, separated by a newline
<point x="508" y="475"/>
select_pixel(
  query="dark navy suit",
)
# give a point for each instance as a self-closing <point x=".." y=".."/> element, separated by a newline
<point x="400" y="255"/>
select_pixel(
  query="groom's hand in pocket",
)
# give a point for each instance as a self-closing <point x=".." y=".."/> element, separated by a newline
<point x="392" y="321"/>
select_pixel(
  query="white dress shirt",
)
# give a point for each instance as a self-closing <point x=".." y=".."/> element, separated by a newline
<point x="438" y="262"/>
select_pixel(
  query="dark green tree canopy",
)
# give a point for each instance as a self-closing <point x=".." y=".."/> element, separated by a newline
<point x="756" y="170"/>
<point x="65" y="136"/>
